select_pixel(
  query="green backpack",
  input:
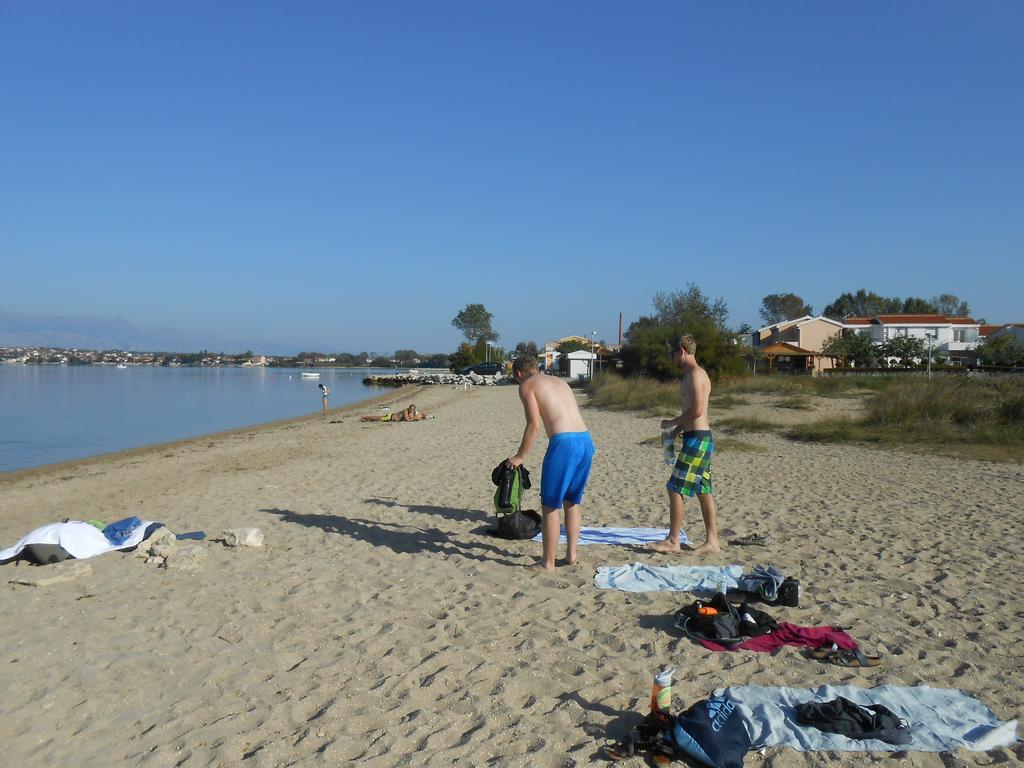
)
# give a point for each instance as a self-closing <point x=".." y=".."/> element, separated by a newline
<point x="513" y="521"/>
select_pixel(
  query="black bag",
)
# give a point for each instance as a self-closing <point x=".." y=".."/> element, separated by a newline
<point x="789" y="593"/>
<point x="724" y="625"/>
<point x="521" y="524"/>
<point x="513" y="521"/>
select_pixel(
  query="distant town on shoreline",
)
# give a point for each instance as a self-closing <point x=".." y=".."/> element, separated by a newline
<point x="247" y="359"/>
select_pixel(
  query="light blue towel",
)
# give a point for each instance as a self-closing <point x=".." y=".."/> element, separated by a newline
<point x="940" y="719"/>
<point x="620" y="536"/>
<point x="640" y="577"/>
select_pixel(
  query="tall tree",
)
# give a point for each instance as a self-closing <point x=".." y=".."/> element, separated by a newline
<point x="405" y="356"/>
<point x="915" y="306"/>
<point x="951" y="306"/>
<point x="686" y="311"/>
<point x="475" y="323"/>
<point x="526" y="348"/>
<point x="777" y="307"/>
<point x="862" y="304"/>
<point x="690" y="306"/>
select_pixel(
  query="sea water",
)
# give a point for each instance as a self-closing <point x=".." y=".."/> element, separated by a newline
<point x="52" y="413"/>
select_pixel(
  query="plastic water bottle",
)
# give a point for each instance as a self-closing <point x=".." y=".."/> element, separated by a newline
<point x="661" y="691"/>
<point x="668" y="442"/>
<point x="722" y="587"/>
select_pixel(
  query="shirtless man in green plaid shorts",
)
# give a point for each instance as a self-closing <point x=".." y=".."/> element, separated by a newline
<point x="691" y="475"/>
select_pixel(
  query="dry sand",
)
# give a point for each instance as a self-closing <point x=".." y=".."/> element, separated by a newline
<point x="379" y="626"/>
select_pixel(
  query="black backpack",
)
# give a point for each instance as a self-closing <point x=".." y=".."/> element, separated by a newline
<point x="723" y="623"/>
<point x="513" y="521"/>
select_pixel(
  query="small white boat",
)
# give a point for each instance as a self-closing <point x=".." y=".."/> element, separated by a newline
<point x="121" y="365"/>
<point x="310" y="375"/>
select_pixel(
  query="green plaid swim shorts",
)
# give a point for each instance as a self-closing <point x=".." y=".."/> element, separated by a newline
<point x="692" y="472"/>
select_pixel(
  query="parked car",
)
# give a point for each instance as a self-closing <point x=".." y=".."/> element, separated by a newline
<point x="485" y="369"/>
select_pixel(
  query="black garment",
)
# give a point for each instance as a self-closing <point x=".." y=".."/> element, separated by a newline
<point x="854" y="721"/>
<point x="503" y="477"/>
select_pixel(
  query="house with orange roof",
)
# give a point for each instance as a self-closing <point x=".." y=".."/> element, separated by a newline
<point x="954" y="338"/>
<point x="797" y="345"/>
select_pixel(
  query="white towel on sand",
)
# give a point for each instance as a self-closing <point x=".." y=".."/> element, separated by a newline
<point x="640" y="577"/>
<point x="78" y="539"/>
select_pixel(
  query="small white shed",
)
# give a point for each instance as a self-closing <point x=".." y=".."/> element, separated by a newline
<point x="581" y="364"/>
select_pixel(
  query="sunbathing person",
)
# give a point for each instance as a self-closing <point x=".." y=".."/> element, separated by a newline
<point x="409" y="414"/>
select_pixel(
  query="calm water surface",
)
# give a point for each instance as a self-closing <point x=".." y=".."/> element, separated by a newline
<point x="56" y="413"/>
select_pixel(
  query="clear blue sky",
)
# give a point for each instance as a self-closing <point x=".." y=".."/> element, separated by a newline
<point x="347" y="176"/>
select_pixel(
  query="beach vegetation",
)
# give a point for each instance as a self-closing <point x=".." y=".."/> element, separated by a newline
<point x="734" y="445"/>
<point x="942" y="415"/>
<point x="749" y="424"/>
<point x="794" y="402"/>
<point x="645" y="351"/>
<point x="633" y="393"/>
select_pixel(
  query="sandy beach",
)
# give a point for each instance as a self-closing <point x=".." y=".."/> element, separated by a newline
<point x="380" y="626"/>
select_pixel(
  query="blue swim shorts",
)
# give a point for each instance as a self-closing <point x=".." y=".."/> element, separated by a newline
<point x="566" y="468"/>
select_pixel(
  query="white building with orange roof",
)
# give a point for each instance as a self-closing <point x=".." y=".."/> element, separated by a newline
<point x="954" y="338"/>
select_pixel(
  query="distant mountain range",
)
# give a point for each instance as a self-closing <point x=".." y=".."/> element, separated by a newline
<point x="22" y="330"/>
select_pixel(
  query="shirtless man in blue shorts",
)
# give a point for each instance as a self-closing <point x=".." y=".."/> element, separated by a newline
<point x="691" y="475"/>
<point x="548" y="400"/>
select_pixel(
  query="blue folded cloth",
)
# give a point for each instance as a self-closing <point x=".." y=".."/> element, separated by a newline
<point x="118" y="533"/>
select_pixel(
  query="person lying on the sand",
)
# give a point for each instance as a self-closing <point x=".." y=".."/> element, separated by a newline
<point x="409" y="414"/>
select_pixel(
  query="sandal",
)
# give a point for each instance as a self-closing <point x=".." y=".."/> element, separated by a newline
<point x="753" y="540"/>
<point x="844" y="658"/>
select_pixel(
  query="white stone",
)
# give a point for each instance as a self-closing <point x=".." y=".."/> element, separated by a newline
<point x="243" y="537"/>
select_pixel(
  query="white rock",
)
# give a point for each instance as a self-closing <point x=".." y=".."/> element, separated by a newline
<point x="243" y="537"/>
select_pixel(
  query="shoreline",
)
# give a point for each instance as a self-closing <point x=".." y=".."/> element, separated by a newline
<point x="143" y="450"/>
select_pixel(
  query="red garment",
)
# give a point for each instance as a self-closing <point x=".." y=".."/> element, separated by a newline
<point x="789" y="634"/>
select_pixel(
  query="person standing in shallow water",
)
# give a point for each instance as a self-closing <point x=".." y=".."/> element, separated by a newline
<point x="325" y="393"/>
<point x="548" y="401"/>
<point x="691" y="475"/>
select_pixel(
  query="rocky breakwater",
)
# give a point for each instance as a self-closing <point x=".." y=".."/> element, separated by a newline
<point x="437" y="377"/>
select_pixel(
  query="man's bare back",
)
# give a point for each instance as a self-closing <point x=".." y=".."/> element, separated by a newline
<point x="555" y="402"/>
